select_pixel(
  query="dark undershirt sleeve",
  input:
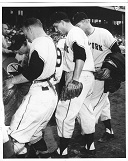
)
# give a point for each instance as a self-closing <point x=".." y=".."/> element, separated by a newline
<point x="79" y="52"/>
<point x="35" y="67"/>
<point x="115" y="48"/>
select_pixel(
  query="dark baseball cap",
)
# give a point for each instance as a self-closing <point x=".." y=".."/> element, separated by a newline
<point x="17" y="41"/>
<point x="78" y="17"/>
<point x="58" y="16"/>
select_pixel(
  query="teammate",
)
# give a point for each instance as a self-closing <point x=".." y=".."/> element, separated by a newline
<point x="102" y="43"/>
<point x="79" y="65"/>
<point x="60" y="65"/>
<point x="34" y="113"/>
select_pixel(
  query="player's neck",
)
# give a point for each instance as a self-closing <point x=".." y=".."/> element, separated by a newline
<point x="90" y="30"/>
<point x="39" y="33"/>
<point x="69" y="27"/>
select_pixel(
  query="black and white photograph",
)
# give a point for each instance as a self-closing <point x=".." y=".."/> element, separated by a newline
<point x="63" y="79"/>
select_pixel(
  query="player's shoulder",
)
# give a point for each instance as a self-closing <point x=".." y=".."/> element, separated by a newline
<point x="76" y="33"/>
<point x="45" y="40"/>
<point x="102" y="30"/>
<point x="76" y="30"/>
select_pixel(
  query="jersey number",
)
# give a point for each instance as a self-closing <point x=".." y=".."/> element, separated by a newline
<point x="59" y="58"/>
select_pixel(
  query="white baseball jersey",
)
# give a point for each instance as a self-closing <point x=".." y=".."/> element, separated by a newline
<point x="101" y="40"/>
<point x="46" y="53"/>
<point x="81" y="39"/>
<point x="59" y="63"/>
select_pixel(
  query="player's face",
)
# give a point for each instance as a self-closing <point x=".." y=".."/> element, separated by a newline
<point x="23" y="49"/>
<point x="4" y="29"/>
<point x="59" y="27"/>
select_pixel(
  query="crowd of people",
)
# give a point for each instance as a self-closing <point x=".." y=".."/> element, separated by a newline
<point x="75" y="48"/>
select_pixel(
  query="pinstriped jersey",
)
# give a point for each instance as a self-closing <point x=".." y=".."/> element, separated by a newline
<point x="77" y="35"/>
<point x="100" y="41"/>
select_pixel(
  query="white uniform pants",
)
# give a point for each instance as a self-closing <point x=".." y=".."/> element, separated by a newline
<point x="67" y="111"/>
<point x="100" y="102"/>
<point x="33" y="115"/>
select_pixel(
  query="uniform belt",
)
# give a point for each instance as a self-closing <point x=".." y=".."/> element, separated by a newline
<point x="44" y="80"/>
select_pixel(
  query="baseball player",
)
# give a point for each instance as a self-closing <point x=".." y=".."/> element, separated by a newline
<point x="34" y="113"/>
<point x="60" y="65"/>
<point x="102" y="43"/>
<point x="79" y="65"/>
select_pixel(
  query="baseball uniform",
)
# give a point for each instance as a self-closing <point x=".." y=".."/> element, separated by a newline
<point x="68" y="110"/>
<point x="40" y="102"/>
<point x="100" y="41"/>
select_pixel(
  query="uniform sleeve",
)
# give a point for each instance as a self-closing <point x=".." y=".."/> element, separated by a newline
<point x="35" y="67"/>
<point x="115" y="48"/>
<point x="79" y="52"/>
<point x="79" y="38"/>
<point x="109" y="40"/>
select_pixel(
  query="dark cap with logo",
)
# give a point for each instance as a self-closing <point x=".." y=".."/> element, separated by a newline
<point x="78" y="17"/>
<point x="17" y="41"/>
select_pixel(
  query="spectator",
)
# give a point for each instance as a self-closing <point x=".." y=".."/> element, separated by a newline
<point x="5" y="44"/>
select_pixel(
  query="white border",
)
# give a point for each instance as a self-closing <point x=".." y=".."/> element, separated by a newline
<point x="65" y="1"/>
<point x="41" y="3"/>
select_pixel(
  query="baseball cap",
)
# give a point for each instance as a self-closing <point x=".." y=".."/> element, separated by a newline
<point x="17" y="41"/>
<point x="58" y="16"/>
<point x="78" y="17"/>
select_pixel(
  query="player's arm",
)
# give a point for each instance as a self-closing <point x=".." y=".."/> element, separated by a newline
<point x="29" y="73"/>
<point x="115" y="48"/>
<point x="7" y="51"/>
<point x="111" y="43"/>
<point x="79" y="59"/>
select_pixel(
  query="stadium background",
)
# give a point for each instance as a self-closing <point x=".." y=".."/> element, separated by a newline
<point x="111" y="18"/>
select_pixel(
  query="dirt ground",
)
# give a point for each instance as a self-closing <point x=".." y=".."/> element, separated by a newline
<point x="115" y="148"/>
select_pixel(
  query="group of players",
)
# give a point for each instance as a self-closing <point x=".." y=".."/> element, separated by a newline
<point x="80" y="55"/>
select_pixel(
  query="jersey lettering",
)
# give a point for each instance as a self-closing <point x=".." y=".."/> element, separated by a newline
<point x="59" y="58"/>
<point x="96" y="46"/>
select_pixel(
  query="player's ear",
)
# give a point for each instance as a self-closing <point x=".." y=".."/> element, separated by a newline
<point x="88" y="20"/>
<point x="63" y="22"/>
<point x="30" y="29"/>
<point x="83" y="21"/>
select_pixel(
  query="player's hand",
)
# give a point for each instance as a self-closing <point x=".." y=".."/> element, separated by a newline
<point x="102" y="74"/>
<point x="9" y="51"/>
<point x="106" y="73"/>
